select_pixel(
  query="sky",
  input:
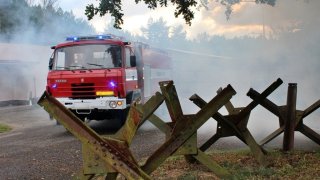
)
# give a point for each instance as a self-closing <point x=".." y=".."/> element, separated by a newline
<point x="247" y="18"/>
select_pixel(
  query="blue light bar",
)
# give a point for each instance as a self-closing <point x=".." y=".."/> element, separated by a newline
<point x="109" y="36"/>
<point x="95" y="37"/>
<point x="73" y="38"/>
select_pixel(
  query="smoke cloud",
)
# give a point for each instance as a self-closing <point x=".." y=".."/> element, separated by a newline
<point x="287" y="47"/>
<point x="289" y="51"/>
<point x="27" y="31"/>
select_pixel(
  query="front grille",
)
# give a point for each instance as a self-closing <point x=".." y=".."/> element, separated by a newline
<point x="83" y="91"/>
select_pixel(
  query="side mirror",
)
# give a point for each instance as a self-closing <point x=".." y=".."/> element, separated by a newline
<point x="50" y="63"/>
<point x="133" y="61"/>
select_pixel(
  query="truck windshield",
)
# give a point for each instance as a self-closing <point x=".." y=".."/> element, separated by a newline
<point x="88" y="56"/>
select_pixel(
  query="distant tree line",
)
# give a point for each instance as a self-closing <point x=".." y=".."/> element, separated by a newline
<point x="158" y="34"/>
<point x="44" y="23"/>
<point x="21" y="21"/>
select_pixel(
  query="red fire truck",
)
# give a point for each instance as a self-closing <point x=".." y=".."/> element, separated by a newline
<point x="97" y="77"/>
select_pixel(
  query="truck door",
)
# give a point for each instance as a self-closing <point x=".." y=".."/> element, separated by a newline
<point x="131" y="73"/>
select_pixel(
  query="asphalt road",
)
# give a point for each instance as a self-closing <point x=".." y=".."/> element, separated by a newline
<point x="37" y="148"/>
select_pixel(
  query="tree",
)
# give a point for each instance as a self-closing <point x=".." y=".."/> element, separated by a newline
<point x="178" y="36"/>
<point x="156" y="32"/>
<point x="183" y="7"/>
<point x="44" y="23"/>
<point x="9" y="18"/>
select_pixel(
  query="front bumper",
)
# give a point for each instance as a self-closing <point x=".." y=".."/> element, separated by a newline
<point x="105" y="103"/>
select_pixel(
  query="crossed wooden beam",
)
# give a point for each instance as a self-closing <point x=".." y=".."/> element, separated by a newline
<point x="111" y="155"/>
<point x="235" y="124"/>
<point x="181" y="132"/>
<point x="102" y="155"/>
<point x="290" y="119"/>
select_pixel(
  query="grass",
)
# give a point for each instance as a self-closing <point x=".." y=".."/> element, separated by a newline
<point x="4" y="128"/>
<point x="242" y="165"/>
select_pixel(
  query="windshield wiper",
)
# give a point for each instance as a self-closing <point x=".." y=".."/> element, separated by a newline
<point x="77" y="66"/>
<point x="61" y="67"/>
<point x="99" y="65"/>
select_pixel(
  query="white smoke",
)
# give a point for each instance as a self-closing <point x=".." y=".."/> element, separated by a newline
<point x="291" y="53"/>
<point x="25" y="50"/>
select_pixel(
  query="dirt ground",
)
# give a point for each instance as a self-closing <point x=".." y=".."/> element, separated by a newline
<point x="37" y="148"/>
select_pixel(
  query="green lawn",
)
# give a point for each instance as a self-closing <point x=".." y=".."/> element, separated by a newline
<point x="4" y="128"/>
<point x="241" y="164"/>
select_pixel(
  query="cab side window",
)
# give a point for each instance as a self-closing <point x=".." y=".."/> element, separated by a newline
<point x="128" y="57"/>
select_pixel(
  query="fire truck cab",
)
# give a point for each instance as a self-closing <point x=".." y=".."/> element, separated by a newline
<point x="97" y="77"/>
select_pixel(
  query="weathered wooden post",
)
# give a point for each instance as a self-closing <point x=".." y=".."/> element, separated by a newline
<point x="288" y="138"/>
<point x="290" y="119"/>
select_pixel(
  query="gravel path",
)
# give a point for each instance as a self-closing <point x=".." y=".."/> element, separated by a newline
<point x="36" y="148"/>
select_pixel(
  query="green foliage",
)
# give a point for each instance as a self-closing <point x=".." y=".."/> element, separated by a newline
<point x="112" y="7"/>
<point x="4" y="128"/>
<point x="8" y="19"/>
<point x="44" y="24"/>
<point x="183" y="7"/>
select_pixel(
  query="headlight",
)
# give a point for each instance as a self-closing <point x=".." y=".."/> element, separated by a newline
<point x="113" y="104"/>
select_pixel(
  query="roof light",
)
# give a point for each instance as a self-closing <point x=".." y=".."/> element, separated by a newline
<point x="94" y="37"/>
<point x="73" y="38"/>
<point x="102" y="37"/>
